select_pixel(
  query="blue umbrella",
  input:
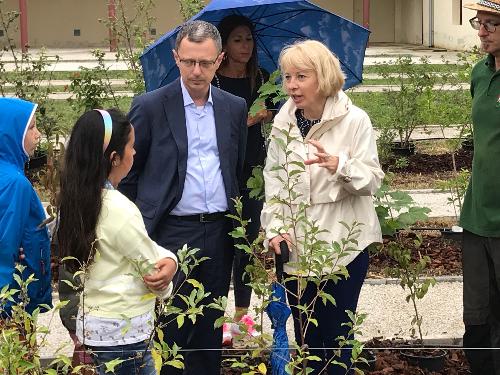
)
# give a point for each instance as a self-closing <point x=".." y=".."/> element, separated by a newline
<point x="277" y="23"/>
<point x="279" y="311"/>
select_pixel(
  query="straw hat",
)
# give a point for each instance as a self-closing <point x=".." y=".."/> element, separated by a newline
<point x="491" y="6"/>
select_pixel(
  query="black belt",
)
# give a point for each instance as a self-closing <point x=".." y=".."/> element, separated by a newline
<point x="202" y="218"/>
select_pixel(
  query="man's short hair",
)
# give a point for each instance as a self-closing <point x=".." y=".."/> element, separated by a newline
<point x="197" y="32"/>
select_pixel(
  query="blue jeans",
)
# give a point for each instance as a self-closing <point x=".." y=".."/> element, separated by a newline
<point x="137" y="359"/>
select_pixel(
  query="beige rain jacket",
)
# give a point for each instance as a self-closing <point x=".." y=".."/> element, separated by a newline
<point x="345" y="131"/>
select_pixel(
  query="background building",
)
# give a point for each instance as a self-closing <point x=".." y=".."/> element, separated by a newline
<point x="75" y="23"/>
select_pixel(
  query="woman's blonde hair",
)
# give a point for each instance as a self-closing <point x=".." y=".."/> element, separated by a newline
<point x="314" y="55"/>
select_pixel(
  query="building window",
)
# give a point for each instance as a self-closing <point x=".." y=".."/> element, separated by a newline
<point x="152" y="31"/>
<point x="76" y="32"/>
<point x="456" y="12"/>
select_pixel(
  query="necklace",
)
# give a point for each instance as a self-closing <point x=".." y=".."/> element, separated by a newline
<point x="217" y="82"/>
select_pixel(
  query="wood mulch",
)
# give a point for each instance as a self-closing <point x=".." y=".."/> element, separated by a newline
<point x="421" y="163"/>
<point x="390" y="361"/>
<point x="445" y="255"/>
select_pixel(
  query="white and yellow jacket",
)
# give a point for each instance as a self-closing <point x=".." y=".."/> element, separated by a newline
<point x="111" y="289"/>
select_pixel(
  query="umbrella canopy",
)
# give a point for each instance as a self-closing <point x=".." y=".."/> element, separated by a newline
<point x="277" y="23"/>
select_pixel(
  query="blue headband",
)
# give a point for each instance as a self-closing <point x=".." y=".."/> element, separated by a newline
<point x="108" y="128"/>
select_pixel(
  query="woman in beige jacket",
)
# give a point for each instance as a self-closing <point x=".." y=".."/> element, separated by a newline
<point x="320" y="133"/>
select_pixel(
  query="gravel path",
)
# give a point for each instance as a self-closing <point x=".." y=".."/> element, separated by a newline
<point x="388" y="315"/>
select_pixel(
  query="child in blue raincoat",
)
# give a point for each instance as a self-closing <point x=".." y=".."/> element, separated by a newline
<point x="21" y="212"/>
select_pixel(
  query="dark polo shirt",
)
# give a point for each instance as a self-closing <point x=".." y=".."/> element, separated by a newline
<point x="481" y="208"/>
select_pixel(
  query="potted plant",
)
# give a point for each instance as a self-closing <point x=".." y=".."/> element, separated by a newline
<point x="410" y="274"/>
<point x="405" y="95"/>
<point x="397" y="212"/>
<point x="456" y="186"/>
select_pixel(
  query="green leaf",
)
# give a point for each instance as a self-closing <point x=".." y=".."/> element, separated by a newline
<point x="194" y="283"/>
<point x="148" y="297"/>
<point x="175" y="363"/>
<point x="313" y="321"/>
<point x="180" y="320"/>
<point x="110" y="366"/>
<point x="69" y="283"/>
<point x="262" y="368"/>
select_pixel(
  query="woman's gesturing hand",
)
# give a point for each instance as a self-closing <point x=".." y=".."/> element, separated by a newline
<point x="323" y="158"/>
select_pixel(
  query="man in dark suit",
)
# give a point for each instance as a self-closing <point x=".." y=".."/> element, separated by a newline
<point x="190" y="143"/>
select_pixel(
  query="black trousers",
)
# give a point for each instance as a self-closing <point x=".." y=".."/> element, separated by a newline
<point x="200" y="342"/>
<point x="323" y="338"/>
<point x="481" y="295"/>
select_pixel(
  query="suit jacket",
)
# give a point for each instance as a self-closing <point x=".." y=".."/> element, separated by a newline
<point x="156" y="181"/>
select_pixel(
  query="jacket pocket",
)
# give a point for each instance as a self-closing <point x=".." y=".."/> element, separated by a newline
<point x="37" y="252"/>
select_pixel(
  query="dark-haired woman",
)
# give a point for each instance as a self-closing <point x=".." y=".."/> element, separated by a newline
<point x="101" y="228"/>
<point x="240" y="75"/>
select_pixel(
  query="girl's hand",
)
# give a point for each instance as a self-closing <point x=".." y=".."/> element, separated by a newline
<point x="166" y="270"/>
<point x="274" y="243"/>
<point x="323" y="158"/>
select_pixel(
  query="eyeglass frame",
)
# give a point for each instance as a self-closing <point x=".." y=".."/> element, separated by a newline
<point x="475" y="21"/>
<point x="203" y="64"/>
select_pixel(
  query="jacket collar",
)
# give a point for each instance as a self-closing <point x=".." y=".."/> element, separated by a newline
<point x="173" y="106"/>
<point x="336" y="108"/>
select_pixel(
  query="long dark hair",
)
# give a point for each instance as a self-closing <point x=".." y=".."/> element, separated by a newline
<point x="225" y="27"/>
<point x="85" y="171"/>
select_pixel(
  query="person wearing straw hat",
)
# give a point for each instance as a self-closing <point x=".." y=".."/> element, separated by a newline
<point x="480" y="216"/>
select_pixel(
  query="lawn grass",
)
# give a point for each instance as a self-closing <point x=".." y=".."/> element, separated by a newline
<point x="385" y="81"/>
<point x="66" y="115"/>
<point x="393" y="68"/>
<point x="375" y="104"/>
<point x="413" y="181"/>
<point x="65" y="88"/>
<point x="67" y="75"/>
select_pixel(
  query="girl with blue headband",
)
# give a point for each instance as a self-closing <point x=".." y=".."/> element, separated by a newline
<point x="104" y="230"/>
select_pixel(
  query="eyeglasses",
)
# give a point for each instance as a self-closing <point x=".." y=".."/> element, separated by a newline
<point x="488" y="26"/>
<point x="204" y="64"/>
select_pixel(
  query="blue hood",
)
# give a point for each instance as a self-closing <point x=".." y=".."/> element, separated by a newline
<point x="15" y="116"/>
<point x="21" y="211"/>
